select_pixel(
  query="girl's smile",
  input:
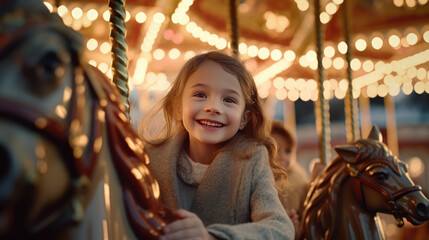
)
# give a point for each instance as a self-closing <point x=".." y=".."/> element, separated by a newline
<point x="210" y="123"/>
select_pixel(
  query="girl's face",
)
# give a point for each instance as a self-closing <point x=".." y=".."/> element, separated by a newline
<point x="213" y="105"/>
<point x="283" y="150"/>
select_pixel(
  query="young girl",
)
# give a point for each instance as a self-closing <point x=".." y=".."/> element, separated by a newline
<point x="293" y="195"/>
<point x="213" y="155"/>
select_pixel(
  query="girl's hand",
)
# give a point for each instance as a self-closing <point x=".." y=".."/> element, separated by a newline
<point x="189" y="226"/>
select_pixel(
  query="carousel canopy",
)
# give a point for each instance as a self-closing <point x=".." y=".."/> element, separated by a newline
<point x="388" y="41"/>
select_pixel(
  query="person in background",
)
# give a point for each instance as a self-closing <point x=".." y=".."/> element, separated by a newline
<point x="214" y="156"/>
<point x="293" y="195"/>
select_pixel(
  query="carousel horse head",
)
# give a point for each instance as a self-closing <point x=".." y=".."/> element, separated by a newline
<point x="365" y="179"/>
<point x="71" y="165"/>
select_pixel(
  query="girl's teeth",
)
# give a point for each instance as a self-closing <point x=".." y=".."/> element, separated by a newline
<point x="211" y="124"/>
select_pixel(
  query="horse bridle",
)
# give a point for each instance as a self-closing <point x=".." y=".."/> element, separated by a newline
<point x="360" y="177"/>
<point x="60" y="133"/>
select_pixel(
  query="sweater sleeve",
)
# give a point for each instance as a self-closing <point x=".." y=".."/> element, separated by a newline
<point x="268" y="217"/>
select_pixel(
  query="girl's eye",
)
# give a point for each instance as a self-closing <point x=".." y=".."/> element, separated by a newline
<point x="230" y="100"/>
<point x="199" y="95"/>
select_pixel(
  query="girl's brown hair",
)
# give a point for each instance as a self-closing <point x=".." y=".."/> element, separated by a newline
<point x="257" y="130"/>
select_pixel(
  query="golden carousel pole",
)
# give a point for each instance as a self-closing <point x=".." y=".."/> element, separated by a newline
<point x="233" y="25"/>
<point x="322" y="104"/>
<point x="119" y="48"/>
<point x="350" y="104"/>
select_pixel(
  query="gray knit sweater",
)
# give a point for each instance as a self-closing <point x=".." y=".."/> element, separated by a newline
<point x="236" y="198"/>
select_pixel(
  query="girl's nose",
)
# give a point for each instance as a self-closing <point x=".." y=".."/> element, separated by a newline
<point x="212" y="107"/>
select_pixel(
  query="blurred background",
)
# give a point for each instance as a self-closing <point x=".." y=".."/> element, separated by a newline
<point x="385" y="41"/>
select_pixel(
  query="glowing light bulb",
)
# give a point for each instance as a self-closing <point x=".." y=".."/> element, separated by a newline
<point x="360" y="44"/>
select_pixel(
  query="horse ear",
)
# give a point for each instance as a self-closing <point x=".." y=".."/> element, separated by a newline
<point x="375" y="134"/>
<point x="347" y="152"/>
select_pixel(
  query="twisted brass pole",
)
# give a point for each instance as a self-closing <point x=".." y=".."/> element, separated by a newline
<point x="322" y="104"/>
<point x="119" y="48"/>
<point x="233" y="25"/>
<point x="350" y="104"/>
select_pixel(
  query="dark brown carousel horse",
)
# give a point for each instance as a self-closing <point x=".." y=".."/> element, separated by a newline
<point x="364" y="179"/>
<point x="71" y="166"/>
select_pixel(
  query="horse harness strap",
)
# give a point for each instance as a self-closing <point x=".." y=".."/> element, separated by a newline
<point x="39" y="122"/>
<point x="61" y="134"/>
<point x="393" y="197"/>
<point x="361" y="178"/>
<point x="57" y="131"/>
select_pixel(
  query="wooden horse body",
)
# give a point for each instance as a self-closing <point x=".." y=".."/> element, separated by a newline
<point x="71" y="165"/>
<point x="364" y="179"/>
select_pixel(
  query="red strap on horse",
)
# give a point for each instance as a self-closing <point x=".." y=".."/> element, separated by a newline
<point x="359" y="178"/>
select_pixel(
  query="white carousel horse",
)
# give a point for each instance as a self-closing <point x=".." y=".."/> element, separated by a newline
<point x="71" y="166"/>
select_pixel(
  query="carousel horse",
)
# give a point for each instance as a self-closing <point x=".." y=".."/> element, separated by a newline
<point x="71" y="166"/>
<point x="364" y="179"/>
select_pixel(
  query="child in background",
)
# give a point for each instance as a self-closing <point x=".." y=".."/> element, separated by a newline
<point x="214" y="157"/>
<point x="293" y="196"/>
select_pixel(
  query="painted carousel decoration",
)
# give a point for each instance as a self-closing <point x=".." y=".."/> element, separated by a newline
<point x="365" y="178"/>
<point x="71" y="166"/>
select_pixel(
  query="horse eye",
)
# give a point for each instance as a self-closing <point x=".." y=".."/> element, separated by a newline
<point x="46" y="74"/>
<point x="381" y="176"/>
<point x="49" y="65"/>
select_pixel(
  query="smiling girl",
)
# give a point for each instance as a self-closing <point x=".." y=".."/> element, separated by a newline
<point x="214" y="157"/>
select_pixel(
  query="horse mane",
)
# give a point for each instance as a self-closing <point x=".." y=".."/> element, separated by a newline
<point x="317" y="210"/>
<point x="140" y="189"/>
<point x="320" y="206"/>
